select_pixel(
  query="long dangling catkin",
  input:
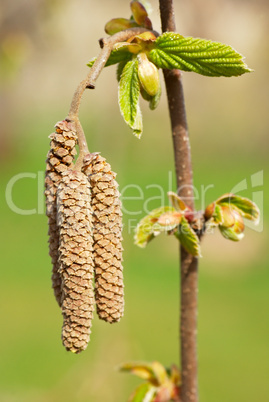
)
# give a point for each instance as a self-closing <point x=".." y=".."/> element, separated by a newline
<point x="59" y="158"/>
<point x="74" y="219"/>
<point x="107" y="238"/>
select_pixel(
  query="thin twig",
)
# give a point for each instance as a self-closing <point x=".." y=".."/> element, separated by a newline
<point x="89" y="82"/>
<point x="188" y="263"/>
<point x="82" y="144"/>
<point x="106" y="45"/>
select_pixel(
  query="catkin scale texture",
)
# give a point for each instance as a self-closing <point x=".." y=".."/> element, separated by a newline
<point x="74" y="219"/>
<point x="107" y="238"/>
<point x="59" y="159"/>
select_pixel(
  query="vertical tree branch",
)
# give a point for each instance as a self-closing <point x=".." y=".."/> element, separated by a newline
<point x="188" y="263"/>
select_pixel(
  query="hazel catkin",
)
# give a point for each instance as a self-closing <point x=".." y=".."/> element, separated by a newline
<point x="59" y="158"/>
<point x="74" y="219"/>
<point x="107" y="238"/>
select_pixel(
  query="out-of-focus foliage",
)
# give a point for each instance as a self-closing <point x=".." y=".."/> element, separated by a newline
<point x="21" y="29"/>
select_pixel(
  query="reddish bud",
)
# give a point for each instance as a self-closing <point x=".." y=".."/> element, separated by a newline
<point x="209" y="210"/>
<point x="189" y="215"/>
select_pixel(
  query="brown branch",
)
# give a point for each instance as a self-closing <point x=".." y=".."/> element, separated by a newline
<point x="188" y="263"/>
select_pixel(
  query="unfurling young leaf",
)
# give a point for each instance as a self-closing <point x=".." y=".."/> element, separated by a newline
<point x="229" y="234"/>
<point x="232" y="226"/>
<point x="140" y="14"/>
<point x="217" y="215"/>
<point x="129" y="97"/>
<point x="119" y="24"/>
<point x="120" y="68"/>
<point x="246" y="207"/>
<point x="213" y="213"/>
<point x="228" y="211"/>
<point x="170" y="220"/>
<point x="199" y="55"/>
<point x="188" y="238"/>
<point x="163" y="384"/>
<point x="153" y="372"/>
<point x="144" y="392"/>
<point x="117" y="55"/>
<point x="148" y="227"/>
<point x="176" y="201"/>
<point x="173" y="220"/>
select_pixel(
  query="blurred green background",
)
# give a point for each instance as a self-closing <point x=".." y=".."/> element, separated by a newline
<point x="44" y="49"/>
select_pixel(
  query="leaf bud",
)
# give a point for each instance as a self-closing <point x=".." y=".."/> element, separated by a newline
<point x="239" y="225"/>
<point x="210" y="209"/>
<point x="228" y="216"/>
<point x="233" y="225"/>
<point x="118" y="24"/>
<point x="143" y="37"/>
<point x="148" y="75"/>
<point x="140" y="14"/>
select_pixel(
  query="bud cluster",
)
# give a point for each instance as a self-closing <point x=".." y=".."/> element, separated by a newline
<point x="85" y="224"/>
<point x="228" y="211"/>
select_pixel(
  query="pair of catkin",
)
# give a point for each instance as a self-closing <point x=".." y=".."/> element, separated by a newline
<point x="85" y="224"/>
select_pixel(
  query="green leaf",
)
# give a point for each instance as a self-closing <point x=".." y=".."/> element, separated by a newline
<point x="246" y="207"/>
<point x="176" y="201"/>
<point x="129" y="97"/>
<point x="91" y="62"/>
<point x="120" y="68"/>
<point x="217" y="215"/>
<point x="119" y="24"/>
<point x="148" y="228"/>
<point x="199" y="55"/>
<point x="139" y="12"/>
<point x="160" y="372"/>
<point x="141" y="370"/>
<point x="169" y="221"/>
<point x="143" y="393"/>
<point x="230" y="234"/>
<point x="188" y="238"/>
<point x="154" y="101"/>
<point x="175" y="375"/>
<point x="116" y="56"/>
<point x="154" y="372"/>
